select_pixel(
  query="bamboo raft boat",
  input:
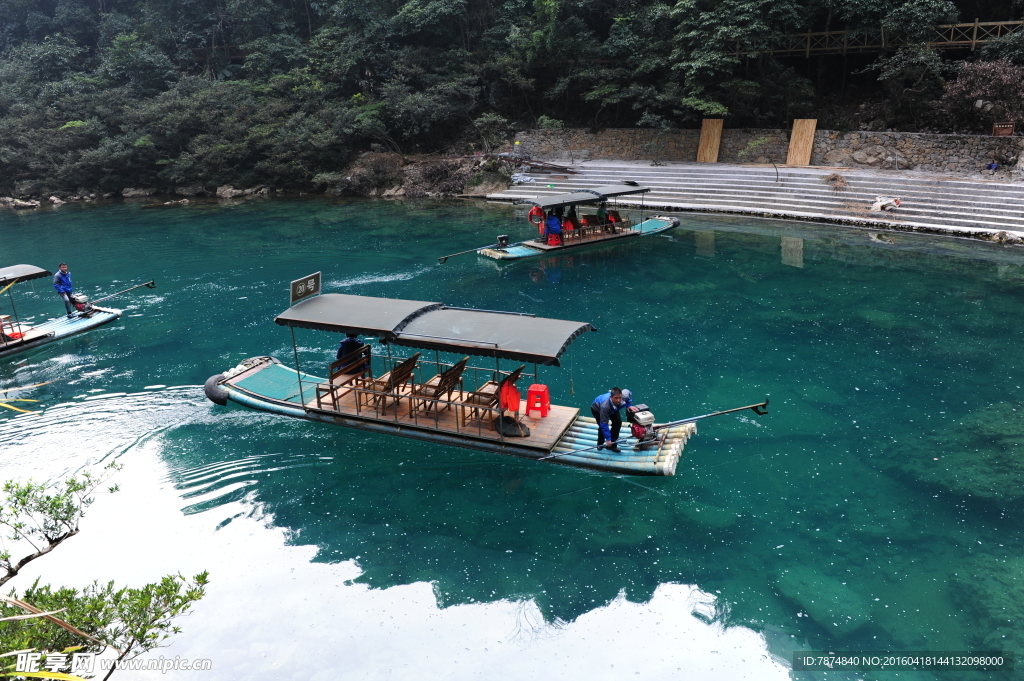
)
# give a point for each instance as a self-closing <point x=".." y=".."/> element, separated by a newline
<point x="576" y="231"/>
<point x="17" y="336"/>
<point x="446" y="402"/>
<point x="581" y="238"/>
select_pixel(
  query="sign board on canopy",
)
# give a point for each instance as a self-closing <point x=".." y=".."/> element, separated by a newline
<point x="305" y="287"/>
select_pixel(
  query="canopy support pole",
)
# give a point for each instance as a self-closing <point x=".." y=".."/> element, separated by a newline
<point x="14" y="309"/>
<point x="298" y="371"/>
<point x="572" y="364"/>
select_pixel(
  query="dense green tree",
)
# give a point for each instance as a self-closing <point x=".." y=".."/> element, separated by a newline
<point x="102" y="94"/>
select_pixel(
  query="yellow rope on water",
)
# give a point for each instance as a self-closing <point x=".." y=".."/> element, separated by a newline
<point x="23" y="411"/>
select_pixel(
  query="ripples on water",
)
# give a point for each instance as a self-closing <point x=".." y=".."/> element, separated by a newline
<point x="876" y="508"/>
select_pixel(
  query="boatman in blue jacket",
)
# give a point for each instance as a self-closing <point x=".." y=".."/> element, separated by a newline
<point x="62" y="282"/>
<point x="553" y="225"/>
<point x="346" y="348"/>
<point x="606" y="411"/>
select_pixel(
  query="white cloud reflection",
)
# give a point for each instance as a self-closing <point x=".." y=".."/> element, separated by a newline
<point x="272" y="613"/>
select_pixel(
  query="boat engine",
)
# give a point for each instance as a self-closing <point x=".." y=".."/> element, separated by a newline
<point x="641" y="423"/>
<point x="80" y="301"/>
<point x="503" y="241"/>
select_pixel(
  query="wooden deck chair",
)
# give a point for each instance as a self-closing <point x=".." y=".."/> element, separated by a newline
<point x="378" y="391"/>
<point x="479" y="402"/>
<point x="621" y="224"/>
<point x="440" y="387"/>
<point x="343" y="376"/>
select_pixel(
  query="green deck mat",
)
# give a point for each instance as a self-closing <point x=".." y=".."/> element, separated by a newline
<point x="278" y="382"/>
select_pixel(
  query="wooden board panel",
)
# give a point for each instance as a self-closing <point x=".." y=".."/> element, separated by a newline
<point x="801" y="142"/>
<point x="710" y="139"/>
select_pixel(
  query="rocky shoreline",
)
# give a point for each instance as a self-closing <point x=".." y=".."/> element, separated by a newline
<point x="374" y="173"/>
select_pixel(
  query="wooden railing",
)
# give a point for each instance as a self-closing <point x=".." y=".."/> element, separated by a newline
<point x="947" y="37"/>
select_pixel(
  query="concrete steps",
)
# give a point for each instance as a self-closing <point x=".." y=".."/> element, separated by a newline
<point x="929" y="203"/>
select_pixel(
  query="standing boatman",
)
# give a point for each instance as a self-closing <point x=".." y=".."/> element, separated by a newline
<point x="606" y="411"/>
<point x="62" y="282"/>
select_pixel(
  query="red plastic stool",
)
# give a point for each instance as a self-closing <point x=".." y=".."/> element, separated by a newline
<point x="537" y="399"/>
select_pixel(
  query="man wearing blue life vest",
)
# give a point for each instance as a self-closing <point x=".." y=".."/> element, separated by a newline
<point x="62" y="282"/>
<point x="606" y="411"/>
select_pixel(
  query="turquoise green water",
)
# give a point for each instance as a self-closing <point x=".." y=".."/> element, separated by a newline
<point x="878" y="506"/>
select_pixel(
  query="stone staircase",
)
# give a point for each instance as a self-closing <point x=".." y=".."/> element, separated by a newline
<point x="930" y="203"/>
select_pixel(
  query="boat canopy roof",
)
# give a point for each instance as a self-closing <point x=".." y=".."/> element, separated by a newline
<point x="585" y="196"/>
<point x="9" y="275"/>
<point x="435" y="326"/>
<point x="608" y="191"/>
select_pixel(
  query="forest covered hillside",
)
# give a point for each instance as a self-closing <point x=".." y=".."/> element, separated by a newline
<point x="104" y="94"/>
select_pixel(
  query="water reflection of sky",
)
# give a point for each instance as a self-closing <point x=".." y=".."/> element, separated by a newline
<point x="273" y="609"/>
<point x="876" y="508"/>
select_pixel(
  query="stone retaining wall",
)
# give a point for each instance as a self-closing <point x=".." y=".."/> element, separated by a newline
<point x="960" y="154"/>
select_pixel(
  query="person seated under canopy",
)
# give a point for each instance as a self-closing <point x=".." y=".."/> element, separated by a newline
<point x="553" y="229"/>
<point x="346" y="348"/>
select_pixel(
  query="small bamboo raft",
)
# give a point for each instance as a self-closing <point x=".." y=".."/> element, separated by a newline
<point x="55" y="329"/>
<point x="17" y="336"/>
<point x="576" y="448"/>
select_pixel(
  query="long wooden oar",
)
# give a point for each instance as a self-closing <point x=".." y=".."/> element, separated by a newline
<point x="26" y="387"/>
<point x="442" y="259"/>
<point x="149" y="284"/>
<point x="760" y="409"/>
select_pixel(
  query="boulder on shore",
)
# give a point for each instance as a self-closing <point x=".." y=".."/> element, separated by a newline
<point x="56" y="201"/>
<point x="133" y="193"/>
<point x="228" y="192"/>
<point x="18" y="203"/>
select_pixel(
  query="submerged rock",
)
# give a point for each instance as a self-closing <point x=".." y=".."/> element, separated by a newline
<point x="831" y="604"/>
<point x="992" y="591"/>
<point x="982" y="456"/>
